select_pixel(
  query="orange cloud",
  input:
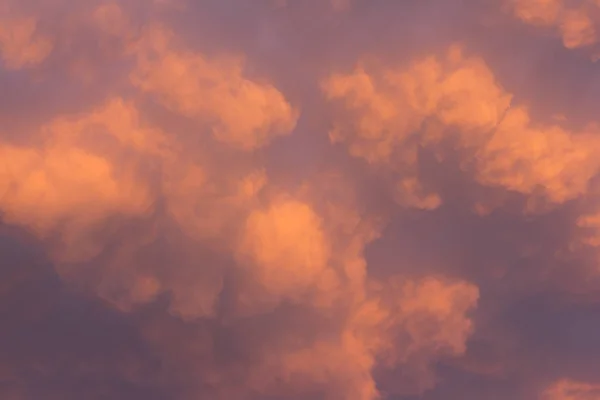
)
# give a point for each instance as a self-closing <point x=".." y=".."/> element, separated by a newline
<point x="168" y="200"/>
<point x="288" y="247"/>
<point x="241" y="112"/>
<point x="65" y="185"/>
<point x="21" y="43"/>
<point x="432" y="313"/>
<point x="567" y="389"/>
<point x="105" y="164"/>
<point x="387" y="114"/>
<point x="576" y="23"/>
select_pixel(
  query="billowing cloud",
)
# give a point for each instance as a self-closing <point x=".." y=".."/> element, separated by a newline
<point x="63" y="185"/>
<point x="222" y="200"/>
<point x="456" y="99"/>
<point x="575" y="22"/>
<point x="244" y="113"/>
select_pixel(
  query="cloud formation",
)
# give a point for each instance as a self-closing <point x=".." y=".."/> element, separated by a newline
<point x="458" y="99"/>
<point x="575" y="22"/>
<point x="257" y="214"/>
<point x="568" y="389"/>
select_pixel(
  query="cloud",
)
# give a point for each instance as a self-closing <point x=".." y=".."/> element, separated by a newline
<point x="225" y="200"/>
<point x="246" y="114"/>
<point x="21" y="45"/>
<point x="567" y="389"/>
<point x="64" y="183"/>
<point x="397" y="111"/>
<point x="574" y="23"/>
<point x="287" y="245"/>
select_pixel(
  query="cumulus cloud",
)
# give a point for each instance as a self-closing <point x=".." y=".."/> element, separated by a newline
<point x="331" y="219"/>
<point x="456" y="98"/>
<point x="575" y="22"/>
<point x="246" y="113"/>
<point x="64" y="183"/>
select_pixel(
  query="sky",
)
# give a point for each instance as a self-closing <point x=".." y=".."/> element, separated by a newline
<point x="299" y="199"/>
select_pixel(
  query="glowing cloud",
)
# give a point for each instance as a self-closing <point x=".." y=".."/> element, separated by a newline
<point x="358" y="213"/>
<point x="241" y="112"/>
<point x="576" y="23"/>
<point x="394" y="112"/>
